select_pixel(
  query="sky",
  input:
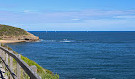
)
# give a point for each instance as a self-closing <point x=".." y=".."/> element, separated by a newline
<point x="69" y="15"/>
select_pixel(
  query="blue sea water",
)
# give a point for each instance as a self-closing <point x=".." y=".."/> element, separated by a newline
<point x="83" y="55"/>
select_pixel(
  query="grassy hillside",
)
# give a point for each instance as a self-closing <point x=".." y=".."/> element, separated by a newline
<point x="6" y="30"/>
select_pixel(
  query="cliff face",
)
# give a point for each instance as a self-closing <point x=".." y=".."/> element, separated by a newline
<point x="13" y="33"/>
<point x="29" y="37"/>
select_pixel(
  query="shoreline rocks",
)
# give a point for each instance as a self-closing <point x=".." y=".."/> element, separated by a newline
<point x="22" y="38"/>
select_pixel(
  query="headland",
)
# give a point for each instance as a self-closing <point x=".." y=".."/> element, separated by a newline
<point x="10" y="34"/>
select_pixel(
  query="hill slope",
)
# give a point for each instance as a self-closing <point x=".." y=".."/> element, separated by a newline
<point x="12" y="33"/>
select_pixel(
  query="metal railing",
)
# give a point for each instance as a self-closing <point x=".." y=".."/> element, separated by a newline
<point x="7" y="57"/>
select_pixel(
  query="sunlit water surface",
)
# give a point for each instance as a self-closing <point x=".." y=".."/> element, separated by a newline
<point x="83" y="55"/>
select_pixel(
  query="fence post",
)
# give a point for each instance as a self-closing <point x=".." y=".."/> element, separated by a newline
<point x="11" y="65"/>
<point x="3" y="54"/>
<point x="7" y="63"/>
<point x="18" y="68"/>
<point x="20" y="63"/>
<point x="6" y="58"/>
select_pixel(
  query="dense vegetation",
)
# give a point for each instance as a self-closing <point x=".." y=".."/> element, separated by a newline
<point x="44" y="73"/>
<point x="6" y="30"/>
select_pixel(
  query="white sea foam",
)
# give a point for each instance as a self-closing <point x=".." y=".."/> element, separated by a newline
<point x="66" y="41"/>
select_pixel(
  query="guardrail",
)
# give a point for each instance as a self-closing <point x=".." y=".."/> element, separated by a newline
<point x="7" y="57"/>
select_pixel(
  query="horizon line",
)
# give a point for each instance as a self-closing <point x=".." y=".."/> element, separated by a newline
<point x="84" y="31"/>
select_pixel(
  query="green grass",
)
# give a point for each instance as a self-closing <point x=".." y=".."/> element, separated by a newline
<point x="6" y="30"/>
<point x="44" y="73"/>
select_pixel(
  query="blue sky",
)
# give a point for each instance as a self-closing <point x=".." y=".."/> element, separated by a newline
<point x="69" y="15"/>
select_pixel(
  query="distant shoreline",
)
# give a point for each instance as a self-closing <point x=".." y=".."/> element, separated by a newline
<point x="11" y="41"/>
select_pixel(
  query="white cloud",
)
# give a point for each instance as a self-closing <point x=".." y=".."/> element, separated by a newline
<point x="29" y="16"/>
<point x="72" y="20"/>
<point x="126" y="17"/>
<point x="26" y="11"/>
<point x="75" y="19"/>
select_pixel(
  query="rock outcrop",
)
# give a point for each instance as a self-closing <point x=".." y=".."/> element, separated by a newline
<point x="29" y="37"/>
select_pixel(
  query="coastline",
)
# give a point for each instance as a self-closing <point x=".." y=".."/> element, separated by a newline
<point x="12" y="41"/>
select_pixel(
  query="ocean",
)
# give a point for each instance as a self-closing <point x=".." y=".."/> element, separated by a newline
<point x="83" y="55"/>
